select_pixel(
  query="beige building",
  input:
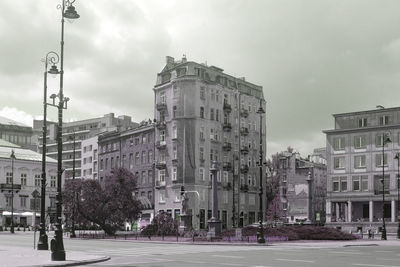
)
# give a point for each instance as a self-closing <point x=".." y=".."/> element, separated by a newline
<point x="27" y="183"/>
<point x="205" y="115"/>
<point x="356" y="161"/>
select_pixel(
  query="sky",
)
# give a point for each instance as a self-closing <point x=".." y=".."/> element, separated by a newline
<point x="313" y="58"/>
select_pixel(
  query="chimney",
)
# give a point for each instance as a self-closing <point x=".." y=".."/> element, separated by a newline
<point x="169" y="60"/>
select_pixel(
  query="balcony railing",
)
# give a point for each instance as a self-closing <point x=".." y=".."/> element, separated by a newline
<point x="227" y="146"/>
<point x="227" y="166"/>
<point x="161" y="144"/>
<point x="380" y="191"/>
<point x="244" y="149"/>
<point x="161" y="106"/>
<point x="244" y="113"/>
<point x="160" y="184"/>
<point x="227" y="186"/>
<point x="244" y="168"/>
<point x="244" y="187"/>
<point x="10" y="187"/>
<point x="161" y="165"/>
<point x="161" y="125"/>
<point x="227" y="107"/>
<point x="227" y="126"/>
<point x="244" y="131"/>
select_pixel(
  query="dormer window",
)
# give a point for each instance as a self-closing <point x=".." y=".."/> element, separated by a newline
<point x="362" y="122"/>
<point x="384" y="120"/>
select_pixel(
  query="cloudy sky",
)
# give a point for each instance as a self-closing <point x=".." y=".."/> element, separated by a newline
<point x="313" y="58"/>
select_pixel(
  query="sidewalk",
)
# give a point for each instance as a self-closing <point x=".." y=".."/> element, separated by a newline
<point x="22" y="256"/>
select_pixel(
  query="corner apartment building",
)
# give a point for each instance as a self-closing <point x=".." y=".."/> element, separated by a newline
<point x="16" y="133"/>
<point x="134" y="150"/>
<point x="357" y="155"/>
<point x="302" y="188"/>
<point x="205" y="115"/>
<point x="80" y="131"/>
<point x="27" y="180"/>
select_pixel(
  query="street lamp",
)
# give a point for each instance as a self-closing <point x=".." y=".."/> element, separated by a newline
<point x="57" y="245"/>
<point x="73" y="235"/>
<point x="52" y="58"/>
<point x="12" y="156"/>
<point x="260" y="232"/>
<point x="214" y="224"/>
<point x="398" y="193"/>
<point x="385" y="140"/>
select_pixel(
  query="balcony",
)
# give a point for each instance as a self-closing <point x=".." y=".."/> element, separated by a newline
<point x="227" y="186"/>
<point x="227" y="126"/>
<point x="161" y="144"/>
<point x="9" y="187"/>
<point x="244" y="187"/>
<point x="161" y="125"/>
<point x="244" y="168"/>
<point x="227" y="107"/>
<point x="161" y="106"/>
<point x="227" y="146"/>
<point x="161" y="165"/>
<point x="244" y="150"/>
<point x="380" y="191"/>
<point x="244" y="113"/>
<point x="175" y="161"/>
<point x="244" y="131"/>
<point x="51" y="210"/>
<point x="160" y="184"/>
<point x="227" y="166"/>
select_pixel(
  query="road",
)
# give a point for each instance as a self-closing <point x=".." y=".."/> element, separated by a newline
<point x="127" y="253"/>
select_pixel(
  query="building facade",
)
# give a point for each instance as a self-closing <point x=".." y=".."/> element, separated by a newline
<point x="78" y="131"/>
<point x="89" y="159"/>
<point x="134" y="150"/>
<point x="359" y="156"/>
<point x="26" y="176"/>
<point x="16" y="133"/>
<point x="299" y="177"/>
<point x="205" y="115"/>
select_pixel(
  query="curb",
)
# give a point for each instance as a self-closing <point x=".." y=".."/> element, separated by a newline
<point x="361" y="245"/>
<point x="76" y="263"/>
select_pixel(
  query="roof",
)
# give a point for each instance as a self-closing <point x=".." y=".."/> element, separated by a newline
<point x="379" y="110"/>
<point x="7" y="121"/>
<point x="20" y="153"/>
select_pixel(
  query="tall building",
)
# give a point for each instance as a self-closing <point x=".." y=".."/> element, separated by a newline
<point x="16" y="133"/>
<point x="80" y="131"/>
<point x="205" y="115"/>
<point x="357" y="156"/>
<point x="134" y="150"/>
<point x="26" y="177"/>
<point x="299" y="177"/>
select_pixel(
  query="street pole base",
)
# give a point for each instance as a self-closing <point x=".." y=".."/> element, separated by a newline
<point x="260" y="234"/>
<point x="43" y="242"/>
<point x="12" y="230"/>
<point x="398" y="231"/>
<point x="383" y="234"/>
<point x="58" y="255"/>
<point x="72" y="235"/>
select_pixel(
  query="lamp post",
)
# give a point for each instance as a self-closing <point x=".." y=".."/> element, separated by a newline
<point x="260" y="232"/>
<point x="57" y="245"/>
<point x="52" y="58"/>
<point x="73" y="235"/>
<point x="385" y="140"/>
<point x="214" y="224"/>
<point x="398" y="193"/>
<point x="12" y="156"/>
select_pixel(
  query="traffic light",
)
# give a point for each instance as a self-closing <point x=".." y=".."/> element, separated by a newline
<point x="182" y="190"/>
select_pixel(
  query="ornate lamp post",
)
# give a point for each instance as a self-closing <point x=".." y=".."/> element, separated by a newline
<point x="214" y="224"/>
<point x="398" y="193"/>
<point x="52" y="58"/>
<point x="57" y="244"/>
<point x="12" y="157"/>
<point x="73" y="235"/>
<point x="260" y="232"/>
<point x="385" y="140"/>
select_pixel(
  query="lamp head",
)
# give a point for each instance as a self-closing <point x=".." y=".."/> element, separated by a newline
<point x="12" y="156"/>
<point x="71" y="13"/>
<point x="53" y="70"/>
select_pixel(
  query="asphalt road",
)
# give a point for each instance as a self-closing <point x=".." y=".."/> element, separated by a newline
<point x="126" y="253"/>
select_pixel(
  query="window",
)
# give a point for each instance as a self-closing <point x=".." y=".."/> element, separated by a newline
<point x="162" y="196"/>
<point x="162" y="135"/>
<point x="161" y="175"/>
<point x="144" y="177"/>
<point x="144" y="139"/>
<point x="335" y="185"/>
<point x="201" y="133"/>
<point x="339" y="143"/>
<point x="117" y="162"/>
<point x="123" y="161"/>
<point x="359" y="161"/>
<point x="174" y="132"/>
<point x="212" y="94"/>
<point x="211" y="155"/>
<point x="38" y="179"/>
<point x="137" y="141"/>
<point x="225" y="197"/>
<point x="379" y="161"/>
<point x="137" y="158"/>
<point x="53" y="181"/>
<point x="52" y="202"/>
<point x="175" y="152"/>
<point x="144" y="157"/>
<point x="249" y="179"/>
<point x="23" y="179"/>
<point x="384" y="120"/>
<point x="362" y="122"/>
<point x="106" y="164"/>
<point x="130" y="161"/>
<point x="252" y="199"/>
<point x="174" y="174"/>
<point x="217" y="114"/>
<point x="150" y="154"/>
<point x="8" y="201"/>
<point x="201" y="174"/>
<point x="338" y="163"/>
<point x="174" y="112"/>
<point x="211" y="134"/>
<point x="356" y="183"/>
<point x="380" y="139"/>
<point x="202" y="112"/>
<point x="150" y="176"/>
<point x="343" y="184"/>
<point x="226" y="177"/>
<point x="150" y="195"/>
<point x="212" y="114"/>
<point x="162" y="97"/>
<point x="360" y="141"/>
<point x="9" y="177"/>
<point x="23" y="201"/>
<point x="177" y="195"/>
<point x="202" y="93"/>
<point x="217" y="96"/>
<point x="201" y="151"/>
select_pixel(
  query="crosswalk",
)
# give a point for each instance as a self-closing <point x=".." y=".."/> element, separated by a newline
<point x="156" y="250"/>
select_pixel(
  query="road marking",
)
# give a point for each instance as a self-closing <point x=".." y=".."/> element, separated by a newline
<point x="387" y="259"/>
<point x="294" y="260"/>
<point x="227" y="256"/>
<point x="346" y="252"/>
<point x="374" y="265"/>
<point x="383" y="251"/>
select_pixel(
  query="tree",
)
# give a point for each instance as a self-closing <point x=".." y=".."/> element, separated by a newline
<point x="109" y="204"/>
<point x="163" y="224"/>
<point x="274" y="209"/>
